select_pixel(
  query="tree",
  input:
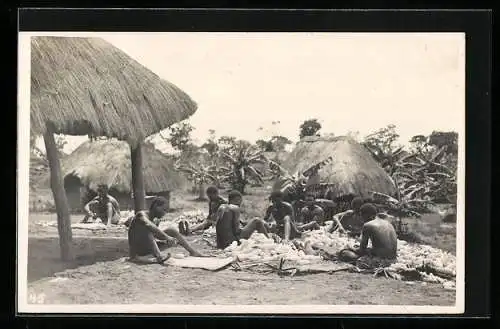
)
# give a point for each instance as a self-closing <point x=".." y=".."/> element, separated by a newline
<point x="448" y="139"/>
<point x="309" y="128"/>
<point x="211" y="145"/>
<point x="419" y="144"/>
<point x="384" y="139"/>
<point x="264" y="146"/>
<point x="274" y="144"/>
<point x="60" y="141"/>
<point x="382" y="145"/>
<point x="279" y="143"/>
<point x="226" y="143"/>
<point x="180" y="136"/>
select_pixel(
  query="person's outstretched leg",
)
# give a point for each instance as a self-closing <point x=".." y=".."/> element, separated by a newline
<point x="254" y="225"/>
<point x="312" y="225"/>
<point x="182" y="241"/>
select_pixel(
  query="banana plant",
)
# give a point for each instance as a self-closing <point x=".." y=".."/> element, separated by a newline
<point x="200" y="175"/>
<point x="241" y="167"/>
<point x="294" y="185"/>
<point x="387" y="159"/>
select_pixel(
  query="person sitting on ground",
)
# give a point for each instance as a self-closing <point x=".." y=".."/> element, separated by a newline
<point x="280" y="218"/>
<point x="214" y="202"/>
<point x="350" y="221"/>
<point x="103" y="207"/>
<point x="379" y="231"/>
<point x="311" y="215"/>
<point x="228" y="226"/>
<point x="146" y="238"/>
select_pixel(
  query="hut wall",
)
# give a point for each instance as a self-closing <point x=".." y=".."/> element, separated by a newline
<point x="73" y="186"/>
<point x="78" y="195"/>
<point x="165" y="194"/>
<point x="127" y="202"/>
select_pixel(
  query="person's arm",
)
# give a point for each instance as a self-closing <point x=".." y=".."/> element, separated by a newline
<point x="268" y="219"/>
<point x="86" y="208"/>
<point x="153" y="228"/>
<point x="291" y="213"/>
<point x="302" y="215"/>
<point x="210" y="211"/>
<point x="365" y="236"/>
<point x="340" y="216"/>
<point x="236" y="222"/>
<point x="115" y="203"/>
<point x="267" y="215"/>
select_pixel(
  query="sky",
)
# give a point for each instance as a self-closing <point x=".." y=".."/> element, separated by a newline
<point x="349" y="82"/>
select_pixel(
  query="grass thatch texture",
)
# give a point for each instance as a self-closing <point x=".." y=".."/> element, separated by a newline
<point x="87" y="86"/>
<point x="108" y="162"/>
<point x="353" y="171"/>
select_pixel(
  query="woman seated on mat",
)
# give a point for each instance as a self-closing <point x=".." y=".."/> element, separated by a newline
<point x="146" y="239"/>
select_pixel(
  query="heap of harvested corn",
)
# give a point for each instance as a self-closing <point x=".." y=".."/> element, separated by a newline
<point x="126" y="214"/>
<point x="192" y="217"/>
<point x="411" y="257"/>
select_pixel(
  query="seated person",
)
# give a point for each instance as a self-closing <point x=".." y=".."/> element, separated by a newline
<point x="311" y="215"/>
<point x="280" y="218"/>
<point x="214" y="202"/>
<point x="143" y="234"/>
<point x="228" y="226"/>
<point x="350" y="221"/>
<point x="103" y="206"/>
<point x="380" y="232"/>
<point x="328" y="207"/>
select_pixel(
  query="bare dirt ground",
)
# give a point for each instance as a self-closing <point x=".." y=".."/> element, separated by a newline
<point x="101" y="275"/>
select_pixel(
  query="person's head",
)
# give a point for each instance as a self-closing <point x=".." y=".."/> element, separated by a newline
<point x="235" y="197"/>
<point x="277" y="197"/>
<point x="356" y="204"/>
<point x="212" y="192"/>
<point x="368" y="212"/>
<point x="309" y="199"/>
<point x="158" y="207"/>
<point x="102" y="190"/>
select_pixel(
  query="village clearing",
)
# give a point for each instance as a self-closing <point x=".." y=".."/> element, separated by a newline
<point x="100" y="275"/>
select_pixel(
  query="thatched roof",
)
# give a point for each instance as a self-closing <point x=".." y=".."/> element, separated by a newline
<point x="353" y="171"/>
<point x="88" y="86"/>
<point x="108" y="162"/>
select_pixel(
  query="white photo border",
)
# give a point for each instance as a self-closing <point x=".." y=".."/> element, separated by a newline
<point x="24" y="89"/>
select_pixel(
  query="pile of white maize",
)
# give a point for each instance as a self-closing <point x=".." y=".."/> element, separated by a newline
<point x="192" y="217"/>
<point x="258" y="248"/>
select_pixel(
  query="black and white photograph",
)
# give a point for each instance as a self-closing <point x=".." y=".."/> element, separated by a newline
<point x="258" y="172"/>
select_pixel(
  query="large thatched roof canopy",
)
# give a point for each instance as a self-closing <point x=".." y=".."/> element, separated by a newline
<point x="353" y="170"/>
<point x="87" y="86"/>
<point x="108" y="162"/>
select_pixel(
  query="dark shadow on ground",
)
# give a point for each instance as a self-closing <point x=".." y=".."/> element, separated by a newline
<point x="44" y="257"/>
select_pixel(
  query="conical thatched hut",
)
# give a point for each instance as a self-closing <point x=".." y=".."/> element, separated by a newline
<point x="352" y="171"/>
<point x="108" y="162"/>
<point x="86" y="86"/>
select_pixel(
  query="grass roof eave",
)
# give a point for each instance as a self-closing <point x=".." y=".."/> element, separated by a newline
<point x="87" y="86"/>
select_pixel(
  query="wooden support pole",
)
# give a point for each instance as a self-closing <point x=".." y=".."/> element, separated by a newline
<point x="60" y="199"/>
<point x="137" y="177"/>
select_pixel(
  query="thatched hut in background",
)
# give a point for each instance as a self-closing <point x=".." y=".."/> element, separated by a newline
<point x="86" y="86"/>
<point x="352" y="171"/>
<point x="108" y="162"/>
